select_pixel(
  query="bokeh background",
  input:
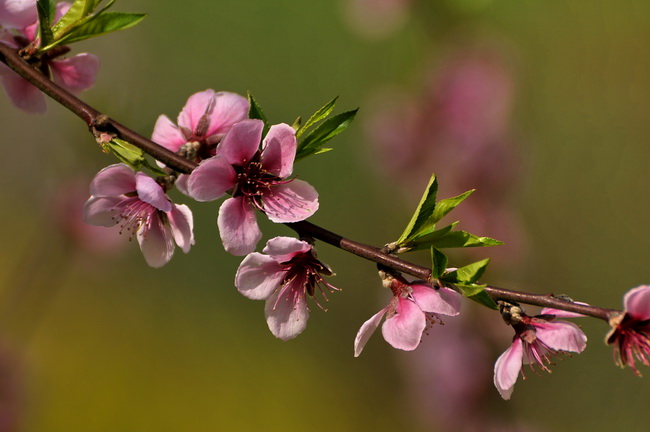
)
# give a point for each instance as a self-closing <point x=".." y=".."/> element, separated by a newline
<point x="542" y="106"/>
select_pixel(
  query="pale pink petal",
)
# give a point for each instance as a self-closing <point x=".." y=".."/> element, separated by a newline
<point x="560" y="313"/>
<point x="258" y="276"/>
<point x="22" y="94"/>
<point x="443" y="301"/>
<point x="17" y="13"/>
<point x="561" y="335"/>
<point x="507" y="367"/>
<point x="286" y="319"/>
<point x="167" y="134"/>
<point x="229" y="108"/>
<point x="637" y="302"/>
<point x="156" y="243"/>
<point x="366" y="330"/>
<point x="114" y="180"/>
<point x="279" y="150"/>
<point x="211" y="179"/>
<point x="182" y="225"/>
<point x="282" y="249"/>
<point x="102" y="211"/>
<point x="195" y="107"/>
<point x="181" y="184"/>
<point x="290" y="202"/>
<point x="242" y="142"/>
<point x="404" y="329"/>
<point x="76" y="73"/>
<point x="238" y="226"/>
<point x="151" y="192"/>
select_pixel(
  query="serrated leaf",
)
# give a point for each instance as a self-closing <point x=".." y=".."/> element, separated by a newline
<point x="45" y="8"/>
<point x="424" y="209"/>
<point x="439" y="263"/>
<point x="79" y="10"/>
<point x="443" y="207"/>
<point x="103" y="23"/>
<point x="477" y="293"/>
<point x="319" y="115"/>
<point x="324" y="132"/>
<point x="472" y="272"/>
<point x="445" y="238"/>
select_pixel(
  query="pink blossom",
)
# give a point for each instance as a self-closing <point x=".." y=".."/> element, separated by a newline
<point x="140" y="205"/>
<point x="257" y="179"/>
<point x="76" y="73"/>
<point x="630" y="332"/>
<point x="412" y="305"/>
<point x="284" y="277"/>
<point x="536" y="340"/>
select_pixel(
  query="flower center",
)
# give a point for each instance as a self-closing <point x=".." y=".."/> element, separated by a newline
<point x="135" y="214"/>
<point x="253" y="181"/>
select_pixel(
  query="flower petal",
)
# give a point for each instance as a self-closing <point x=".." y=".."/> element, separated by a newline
<point x="182" y="224"/>
<point x="279" y="150"/>
<point x="167" y="134"/>
<point x="404" y="329"/>
<point x="290" y="202"/>
<point x="286" y="314"/>
<point x="507" y="367"/>
<point x="150" y="192"/>
<point x="637" y="302"/>
<point x="242" y="142"/>
<point x="366" y="330"/>
<point x="114" y="180"/>
<point x="238" y="226"/>
<point x="102" y="211"/>
<point x="22" y="94"/>
<point x="282" y="249"/>
<point x="156" y="243"/>
<point x="211" y="179"/>
<point x="76" y="73"/>
<point x="561" y="335"/>
<point x="443" y="301"/>
<point x="258" y="276"/>
<point x="17" y="14"/>
<point x="196" y="106"/>
<point x="229" y="108"/>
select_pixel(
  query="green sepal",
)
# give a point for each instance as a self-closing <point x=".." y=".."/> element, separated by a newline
<point x="328" y="129"/>
<point x="424" y="210"/>
<point x="318" y="116"/>
<point x="439" y="263"/>
<point x="45" y="13"/>
<point x="102" y="23"/>
<point x="130" y="155"/>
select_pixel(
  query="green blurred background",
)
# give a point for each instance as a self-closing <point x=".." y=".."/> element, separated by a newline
<point x="97" y="341"/>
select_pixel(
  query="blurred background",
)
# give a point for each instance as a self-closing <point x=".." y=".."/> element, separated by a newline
<point x="541" y="106"/>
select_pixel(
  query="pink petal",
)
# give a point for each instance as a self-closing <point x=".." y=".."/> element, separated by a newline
<point x="77" y="73"/>
<point x="404" y="329"/>
<point x="443" y="301"/>
<point x="561" y="335"/>
<point x="181" y="184"/>
<point x="562" y="313"/>
<point x="242" y="142"/>
<point x="290" y="202"/>
<point x="507" y="367"/>
<point x="167" y="134"/>
<point x="101" y="211"/>
<point x="366" y="330"/>
<point x="182" y="224"/>
<point x="238" y="226"/>
<point x="637" y="302"/>
<point x="22" y="94"/>
<point x="156" y="243"/>
<point x="195" y="107"/>
<point x="258" y="276"/>
<point x="114" y="180"/>
<point x="17" y="14"/>
<point x="282" y="249"/>
<point x="229" y="108"/>
<point x="151" y="192"/>
<point x="279" y="150"/>
<point x="211" y="179"/>
<point x="286" y="319"/>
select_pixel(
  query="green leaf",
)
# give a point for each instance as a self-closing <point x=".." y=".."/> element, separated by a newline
<point x="448" y="204"/>
<point x="327" y="130"/>
<point x="463" y="239"/>
<point x="422" y="213"/>
<point x="319" y="115"/>
<point x="255" y="111"/>
<point x="477" y="293"/>
<point x="103" y="23"/>
<point x="438" y="263"/>
<point x="125" y="152"/>
<point x="45" y="9"/>
<point x="472" y="272"/>
<point x="79" y="10"/>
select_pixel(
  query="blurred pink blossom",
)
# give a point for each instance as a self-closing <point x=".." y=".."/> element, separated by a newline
<point x="376" y="19"/>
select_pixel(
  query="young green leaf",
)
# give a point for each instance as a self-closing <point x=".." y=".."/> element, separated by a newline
<point x="477" y="293"/>
<point x="448" y="204"/>
<point x="471" y="272"/>
<point x="313" y="142"/>
<point x="45" y="9"/>
<point x="125" y="152"/>
<point x="80" y="9"/>
<point x="445" y="238"/>
<point x="102" y="23"/>
<point x="424" y="209"/>
<point x="319" y="115"/>
<point x="438" y="263"/>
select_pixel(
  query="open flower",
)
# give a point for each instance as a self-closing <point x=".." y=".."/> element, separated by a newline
<point x="140" y="206"/>
<point x="536" y="340"/>
<point x="284" y="275"/>
<point x="630" y="332"/>
<point x="412" y="306"/>
<point x="257" y="179"/>
<point x="76" y="73"/>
